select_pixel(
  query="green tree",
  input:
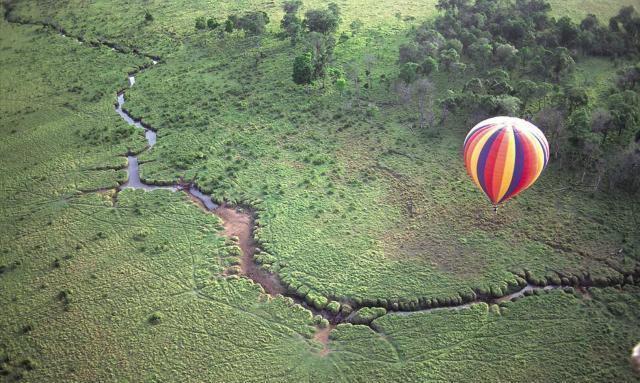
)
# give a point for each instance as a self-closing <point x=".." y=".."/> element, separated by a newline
<point x="212" y="23"/>
<point x="303" y="69"/>
<point x="428" y="66"/>
<point x="291" y="23"/>
<point x="561" y="63"/>
<point x="408" y="72"/>
<point x="253" y="23"/>
<point x="228" y="25"/>
<point x="506" y="55"/>
<point x="481" y="51"/>
<point x="448" y="58"/>
<point x="323" y="21"/>
<point x="625" y="110"/>
<point x="200" y="23"/>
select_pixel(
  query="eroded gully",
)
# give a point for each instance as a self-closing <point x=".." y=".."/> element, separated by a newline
<point x="240" y="222"/>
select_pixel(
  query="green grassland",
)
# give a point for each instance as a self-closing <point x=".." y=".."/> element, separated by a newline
<point x="355" y="204"/>
<point x="352" y="203"/>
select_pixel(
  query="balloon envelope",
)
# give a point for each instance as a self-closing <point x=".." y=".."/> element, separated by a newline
<point x="504" y="156"/>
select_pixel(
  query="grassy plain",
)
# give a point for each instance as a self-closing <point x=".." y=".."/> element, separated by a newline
<point x="353" y="204"/>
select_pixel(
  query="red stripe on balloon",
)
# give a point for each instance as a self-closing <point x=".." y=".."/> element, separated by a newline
<point x="530" y="161"/>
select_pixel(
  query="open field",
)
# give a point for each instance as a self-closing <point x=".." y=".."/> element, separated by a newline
<point x="353" y="205"/>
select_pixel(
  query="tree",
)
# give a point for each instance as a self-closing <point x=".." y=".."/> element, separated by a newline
<point x="321" y="47"/>
<point x="410" y="52"/>
<point x="526" y="90"/>
<point x="341" y="85"/>
<point x="291" y="6"/>
<point x="551" y="122"/>
<point x="369" y="62"/>
<point x="589" y="23"/>
<point x="626" y="171"/>
<point x="601" y="122"/>
<point x="253" y="23"/>
<point x="148" y="17"/>
<point x="303" y="69"/>
<point x="291" y="23"/>
<point x="428" y="66"/>
<point x="481" y="51"/>
<point x="629" y="77"/>
<point x="575" y="97"/>
<point x="200" y="23"/>
<point x="506" y="105"/>
<point x="624" y="110"/>
<point x="408" y="72"/>
<point x="228" y="25"/>
<point x="353" y="72"/>
<point x="431" y="41"/>
<point x="506" y="54"/>
<point x="448" y="58"/>
<point x="422" y="90"/>
<point x="454" y="44"/>
<point x="212" y="23"/>
<point x="561" y="63"/>
<point x="323" y="21"/>
<point x="567" y="31"/>
<point x="448" y="103"/>
<point x="453" y="6"/>
<point x="355" y="26"/>
<point x="475" y="86"/>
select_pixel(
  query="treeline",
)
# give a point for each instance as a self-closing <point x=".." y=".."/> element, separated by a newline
<point x="520" y="61"/>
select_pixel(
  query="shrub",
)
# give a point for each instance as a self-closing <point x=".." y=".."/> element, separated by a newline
<point x="28" y="364"/>
<point x="333" y="307"/>
<point x="155" y="318"/>
<point x="200" y="23"/>
<point x="212" y="24"/>
<point x="367" y="314"/>
<point x="316" y="300"/>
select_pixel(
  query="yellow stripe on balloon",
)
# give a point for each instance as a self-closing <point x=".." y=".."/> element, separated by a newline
<point x="539" y="154"/>
<point x="509" y="163"/>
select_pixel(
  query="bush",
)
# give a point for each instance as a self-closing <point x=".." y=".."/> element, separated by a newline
<point x="212" y="24"/>
<point x="28" y="364"/>
<point x="333" y="307"/>
<point x="200" y="23"/>
<point x="155" y="318"/>
<point x="367" y="314"/>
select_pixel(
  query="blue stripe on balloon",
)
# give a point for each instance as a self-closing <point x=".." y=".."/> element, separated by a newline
<point x="517" y="167"/>
<point x="482" y="160"/>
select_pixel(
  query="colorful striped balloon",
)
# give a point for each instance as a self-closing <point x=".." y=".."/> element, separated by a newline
<point x="504" y="156"/>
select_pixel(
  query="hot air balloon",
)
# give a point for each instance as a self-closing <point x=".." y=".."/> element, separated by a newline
<point x="504" y="156"/>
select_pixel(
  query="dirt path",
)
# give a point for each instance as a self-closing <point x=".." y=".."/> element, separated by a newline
<point x="240" y="224"/>
<point x="322" y="336"/>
